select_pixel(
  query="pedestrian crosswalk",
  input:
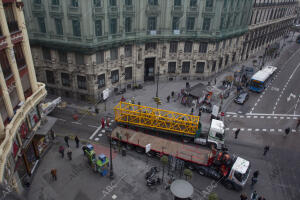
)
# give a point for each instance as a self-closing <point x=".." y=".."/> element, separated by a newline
<point x="253" y="116"/>
<point x="260" y="130"/>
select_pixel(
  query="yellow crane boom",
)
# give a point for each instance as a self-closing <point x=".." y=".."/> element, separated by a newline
<point x="154" y="118"/>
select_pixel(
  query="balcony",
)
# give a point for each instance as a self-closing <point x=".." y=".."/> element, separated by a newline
<point x="12" y="128"/>
<point x="3" y="43"/>
<point x="74" y="11"/>
<point x="16" y="37"/>
<point x="128" y="9"/>
<point x="113" y="9"/>
<point x="55" y="9"/>
<point x="152" y="10"/>
<point x="177" y="10"/>
<point x="12" y="26"/>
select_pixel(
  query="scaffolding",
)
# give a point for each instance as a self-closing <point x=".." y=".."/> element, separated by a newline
<point x="157" y="119"/>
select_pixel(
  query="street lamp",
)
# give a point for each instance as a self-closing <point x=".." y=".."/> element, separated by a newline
<point x="158" y="69"/>
<point x="111" y="170"/>
<point x="121" y="67"/>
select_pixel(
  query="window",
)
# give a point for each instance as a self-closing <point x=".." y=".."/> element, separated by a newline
<point x="63" y="57"/>
<point x="214" y="66"/>
<point x="128" y="73"/>
<point x="206" y="24"/>
<point x="101" y="81"/>
<point x="59" y="27"/>
<point x="46" y="54"/>
<point x="50" y="77"/>
<point x="203" y="47"/>
<point x="185" y="67"/>
<point x="128" y="2"/>
<point x="128" y="24"/>
<point x="128" y="50"/>
<point x="173" y="47"/>
<point x="193" y="3"/>
<point x="20" y="59"/>
<point x="175" y="23"/>
<point x="177" y="2"/>
<point x="190" y="23"/>
<point x="79" y="59"/>
<point x="98" y="27"/>
<point x="114" y="54"/>
<point x="151" y="23"/>
<point x="65" y="79"/>
<point x="224" y="44"/>
<point x="225" y="4"/>
<point x="200" y="67"/>
<point x="5" y="64"/>
<point x="76" y="27"/>
<point x="150" y="45"/>
<point x="171" y="67"/>
<point x="100" y="57"/>
<point x="226" y="59"/>
<point x="97" y="3"/>
<point x="220" y="63"/>
<point x="115" y="76"/>
<point x="42" y="26"/>
<point x="81" y="82"/>
<point x="113" y="2"/>
<point x="55" y="2"/>
<point x="74" y="3"/>
<point x="209" y="4"/>
<point x="222" y="22"/>
<point x="113" y="26"/>
<point x="37" y="1"/>
<point x="188" y="47"/>
<point x="153" y="2"/>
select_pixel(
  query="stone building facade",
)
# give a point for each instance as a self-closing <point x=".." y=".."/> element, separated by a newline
<point x="82" y="47"/>
<point x="270" y="21"/>
<point x="20" y="96"/>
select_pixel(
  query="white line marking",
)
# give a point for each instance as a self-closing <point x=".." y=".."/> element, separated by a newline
<point x="76" y="123"/>
<point x="257" y="129"/>
<point x="281" y="117"/>
<point x="254" y="117"/>
<point x="293" y="130"/>
<point x="231" y="113"/>
<point x="262" y="117"/>
<point x="234" y="129"/>
<point x="272" y="130"/>
<point x="226" y="129"/>
<point x="265" y="114"/>
<point x="288" y="118"/>
<point x="242" y="116"/>
<point x="269" y="117"/>
<point x="295" y="118"/>
<point x="234" y="116"/>
<point x="242" y="129"/>
<point x="249" y="129"/>
<point x="264" y="129"/>
<point x="240" y="112"/>
<point x="275" y="117"/>
<point x="228" y="115"/>
<point x="93" y="126"/>
<point x="95" y="132"/>
<point x="96" y="139"/>
<point x="62" y="119"/>
<point x="248" y="116"/>
<point x="279" y="130"/>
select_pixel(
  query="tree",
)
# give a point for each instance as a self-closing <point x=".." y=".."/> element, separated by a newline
<point x="188" y="174"/>
<point x="164" y="160"/>
<point x="213" y="196"/>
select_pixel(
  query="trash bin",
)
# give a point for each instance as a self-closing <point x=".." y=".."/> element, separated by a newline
<point x="123" y="152"/>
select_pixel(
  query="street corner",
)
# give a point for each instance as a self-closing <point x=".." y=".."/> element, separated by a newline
<point x="101" y="149"/>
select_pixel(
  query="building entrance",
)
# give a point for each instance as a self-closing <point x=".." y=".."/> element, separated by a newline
<point x="149" y="69"/>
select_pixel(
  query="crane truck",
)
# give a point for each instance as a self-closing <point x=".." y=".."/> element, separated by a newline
<point x="232" y="171"/>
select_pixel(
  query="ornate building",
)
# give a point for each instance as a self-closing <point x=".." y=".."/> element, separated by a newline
<point x="270" y="21"/>
<point x="20" y="95"/>
<point x="82" y="47"/>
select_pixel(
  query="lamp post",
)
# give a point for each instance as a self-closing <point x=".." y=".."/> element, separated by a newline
<point x="158" y="68"/>
<point x="121" y="67"/>
<point x="111" y="170"/>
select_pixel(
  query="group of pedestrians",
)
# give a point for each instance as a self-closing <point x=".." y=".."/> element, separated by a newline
<point x="61" y="150"/>
<point x="254" y="195"/>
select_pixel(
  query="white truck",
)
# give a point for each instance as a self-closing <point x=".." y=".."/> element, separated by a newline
<point x="50" y="106"/>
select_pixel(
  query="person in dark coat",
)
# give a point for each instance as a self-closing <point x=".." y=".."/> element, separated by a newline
<point x="77" y="141"/>
<point x="287" y="131"/>
<point x="236" y="133"/>
<point x="69" y="153"/>
<point x="243" y="197"/>
<point x="53" y="174"/>
<point x="266" y="149"/>
<point x="62" y="151"/>
<point x="67" y="140"/>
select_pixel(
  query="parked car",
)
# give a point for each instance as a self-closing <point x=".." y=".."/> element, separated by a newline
<point x="241" y="98"/>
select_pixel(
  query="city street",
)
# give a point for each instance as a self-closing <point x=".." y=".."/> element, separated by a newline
<point x="262" y="120"/>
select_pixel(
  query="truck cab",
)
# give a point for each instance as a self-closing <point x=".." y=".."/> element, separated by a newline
<point x="239" y="174"/>
<point x="216" y="134"/>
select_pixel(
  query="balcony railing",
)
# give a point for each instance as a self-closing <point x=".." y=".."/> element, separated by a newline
<point x="12" y="128"/>
<point x="13" y="26"/>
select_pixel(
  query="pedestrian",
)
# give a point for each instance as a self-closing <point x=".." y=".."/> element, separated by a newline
<point x="67" y="140"/>
<point x="107" y="122"/>
<point x="178" y="95"/>
<point x="199" y="113"/>
<point x="215" y="81"/>
<point x="123" y="99"/>
<point x="69" y="153"/>
<point x="61" y="150"/>
<point x="253" y="181"/>
<point x="168" y="99"/>
<point x="102" y="123"/>
<point x="192" y="111"/>
<point x="172" y="94"/>
<point x="298" y="123"/>
<point x="77" y="141"/>
<point x="266" y="149"/>
<point x="256" y="173"/>
<point x="52" y="134"/>
<point x="254" y="195"/>
<point x="243" y="196"/>
<point x="53" y="173"/>
<point x="236" y="133"/>
<point x="287" y="131"/>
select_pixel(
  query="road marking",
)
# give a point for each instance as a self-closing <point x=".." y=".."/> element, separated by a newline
<point x="93" y="126"/>
<point x="272" y="130"/>
<point x="96" y="139"/>
<point x="257" y="129"/>
<point x="249" y="129"/>
<point x="275" y="117"/>
<point x="100" y="135"/>
<point x="281" y="117"/>
<point x="279" y="130"/>
<point x="240" y="112"/>
<point x="231" y="113"/>
<point x="226" y="129"/>
<point x="248" y="116"/>
<point x="62" y="119"/>
<point x="254" y="117"/>
<point x="269" y="117"/>
<point x="288" y="118"/>
<point x="295" y="118"/>
<point x="76" y="123"/>
<point x="228" y="115"/>
<point x="293" y="130"/>
<point x="95" y="132"/>
<point x="264" y="129"/>
<point x="262" y="117"/>
<point x="234" y="116"/>
<point x="234" y="129"/>
<point x="242" y="129"/>
<point x="241" y="116"/>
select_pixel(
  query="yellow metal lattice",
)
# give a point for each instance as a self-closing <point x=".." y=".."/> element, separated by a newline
<point x="156" y="118"/>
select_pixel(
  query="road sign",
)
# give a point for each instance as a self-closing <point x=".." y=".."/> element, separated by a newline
<point x="106" y="93"/>
<point x="148" y="148"/>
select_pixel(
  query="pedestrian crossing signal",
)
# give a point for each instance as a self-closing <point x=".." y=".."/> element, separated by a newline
<point x="157" y="100"/>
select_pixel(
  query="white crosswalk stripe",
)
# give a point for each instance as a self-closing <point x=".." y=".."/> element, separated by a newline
<point x="257" y="129"/>
<point x="249" y="129"/>
<point x="272" y="130"/>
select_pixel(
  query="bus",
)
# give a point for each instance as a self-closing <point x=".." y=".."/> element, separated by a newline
<point x="260" y="79"/>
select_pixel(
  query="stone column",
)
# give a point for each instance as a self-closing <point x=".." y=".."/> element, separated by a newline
<point x="1" y="127"/>
<point x="5" y="94"/>
<point x="10" y="54"/>
<point x="26" y="48"/>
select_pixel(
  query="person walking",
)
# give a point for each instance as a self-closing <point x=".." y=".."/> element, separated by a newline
<point x="172" y="94"/>
<point x="192" y="111"/>
<point x="69" y="153"/>
<point x="102" y="123"/>
<point x="53" y="174"/>
<point x="199" y="113"/>
<point x="256" y="173"/>
<point x="261" y="198"/>
<point x="287" y="131"/>
<point x="243" y="196"/>
<point x="77" y="141"/>
<point x="61" y="150"/>
<point x="168" y="99"/>
<point x="236" y="133"/>
<point x="266" y="149"/>
<point x="254" y="195"/>
<point x="253" y="181"/>
<point x="67" y="140"/>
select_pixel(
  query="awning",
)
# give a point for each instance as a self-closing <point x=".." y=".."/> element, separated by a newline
<point x="46" y="126"/>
